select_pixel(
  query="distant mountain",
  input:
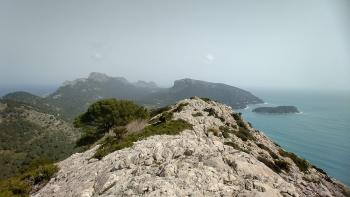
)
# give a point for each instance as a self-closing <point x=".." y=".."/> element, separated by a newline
<point x="28" y="99"/>
<point x="23" y="97"/>
<point x="74" y="97"/>
<point x="184" y="88"/>
<point x="29" y="133"/>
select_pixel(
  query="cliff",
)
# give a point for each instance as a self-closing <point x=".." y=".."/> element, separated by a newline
<point x="220" y="156"/>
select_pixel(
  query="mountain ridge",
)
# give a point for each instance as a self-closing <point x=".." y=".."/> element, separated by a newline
<point x="221" y="155"/>
<point x="73" y="97"/>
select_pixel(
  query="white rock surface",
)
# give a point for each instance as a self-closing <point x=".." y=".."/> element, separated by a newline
<point x="193" y="163"/>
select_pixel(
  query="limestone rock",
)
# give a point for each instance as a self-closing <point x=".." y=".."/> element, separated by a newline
<point x="194" y="163"/>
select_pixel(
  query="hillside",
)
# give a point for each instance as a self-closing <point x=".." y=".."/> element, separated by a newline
<point x="219" y="155"/>
<point x="29" y="134"/>
<point x="36" y="102"/>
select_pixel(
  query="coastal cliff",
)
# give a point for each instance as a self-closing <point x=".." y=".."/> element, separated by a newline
<point x="220" y="155"/>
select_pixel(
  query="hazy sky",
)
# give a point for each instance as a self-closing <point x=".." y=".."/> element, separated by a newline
<point x="246" y="43"/>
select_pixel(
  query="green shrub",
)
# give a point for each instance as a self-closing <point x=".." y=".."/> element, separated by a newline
<point x="112" y="144"/>
<point x="166" y="116"/>
<point x="23" y="184"/>
<point x="239" y="120"/>
<point x="90" y="135"/>
<point x="105" y="114"/>
<point x="237" y="147"/>
<point x="120" y="132"/>
<point x="220" y="118"/>
<point x="276" y="144"/>
<point x="160" y="110"/>
<point x="302" y="164"/>
<point x="214" y="131"/>
<point x="283" y="165"/>
<point x="236" y="116"/>
<point x="319" y="170"/>
<point x="197" y="114"/>
<point x="245" y="134"/>
<point x="211" y="111"/>
<point x="40" y="174"/>
<point x="206" y="99"/>
<point x="225" y="134"/>
<point x="272" y="154"/>
<point x="14" y="187"/>
<point x="225" y="130"/>
<point x="233" y="145"/>
<point x="180" y="107"/>
<point x="270" y="164"/>
<point x="243" y="131"/>
<point x="250" y="125"/>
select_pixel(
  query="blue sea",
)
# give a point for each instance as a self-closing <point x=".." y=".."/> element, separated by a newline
<point x="320" y="133"/>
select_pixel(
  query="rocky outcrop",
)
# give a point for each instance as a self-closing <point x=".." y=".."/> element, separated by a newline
<point x="221" y="156"/>
<point x="277" y="110"/>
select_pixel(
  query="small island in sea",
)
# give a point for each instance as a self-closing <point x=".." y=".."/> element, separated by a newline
<point x="277" y="110"/>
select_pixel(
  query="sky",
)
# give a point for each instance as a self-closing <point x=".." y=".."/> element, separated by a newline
<point x="295" y="44"/>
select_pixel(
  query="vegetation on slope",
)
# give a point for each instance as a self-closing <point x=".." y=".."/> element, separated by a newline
<point x="112" y="144"/>
<point x="22" y="140"/>
<point x="27" y="182"/>
<point x="112" y="116"/>
<point x="276" y="165"/>
<point x="104" y="115"/>
<point x="302" y="164"/>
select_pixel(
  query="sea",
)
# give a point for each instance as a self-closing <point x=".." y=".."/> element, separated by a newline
<point x="320" y="133"/>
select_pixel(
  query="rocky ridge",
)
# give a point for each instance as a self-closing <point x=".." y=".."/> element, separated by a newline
<point x="221" y="156"/>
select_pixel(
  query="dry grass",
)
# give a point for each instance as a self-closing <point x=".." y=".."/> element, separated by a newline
<point x="136" y="126"/>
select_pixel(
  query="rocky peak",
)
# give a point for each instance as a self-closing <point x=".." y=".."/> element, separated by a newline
<point x="182" y="83"/>
<point x="222" y="155"/>
<point x="100" y="77"/>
